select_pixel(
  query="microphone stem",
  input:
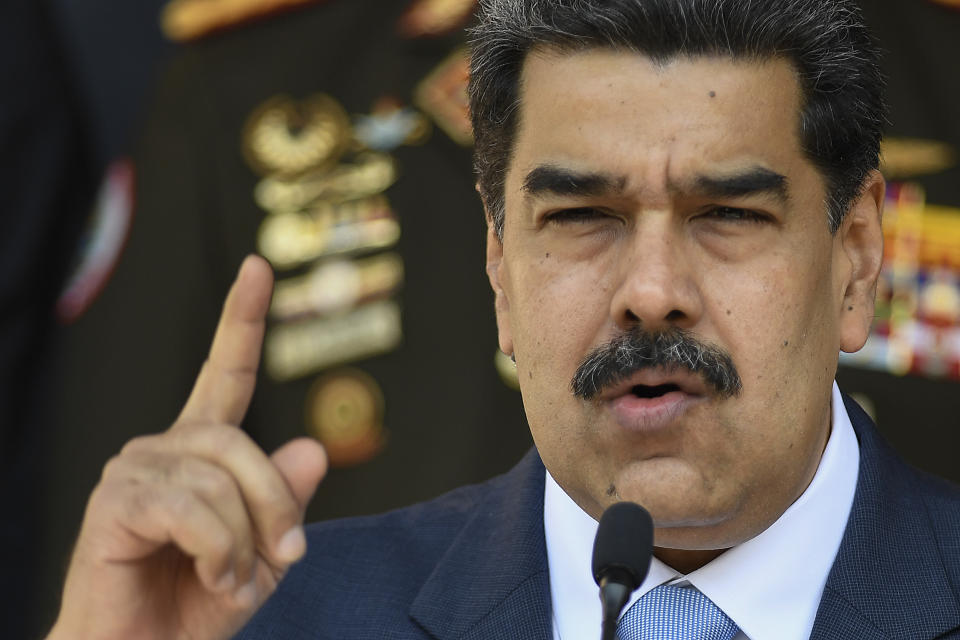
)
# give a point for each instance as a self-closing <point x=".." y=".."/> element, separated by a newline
<point x="609" y="629"/>
<point x="613" y="596"/>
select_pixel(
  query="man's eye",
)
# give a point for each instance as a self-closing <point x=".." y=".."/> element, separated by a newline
<point x="734" y="214"/>
<point x="581" y="214"/>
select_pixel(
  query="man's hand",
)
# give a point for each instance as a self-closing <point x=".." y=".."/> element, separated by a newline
<point x="189" y="531"/>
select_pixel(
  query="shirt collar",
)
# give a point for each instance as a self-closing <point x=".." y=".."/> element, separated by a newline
<point x="770" y="585"/>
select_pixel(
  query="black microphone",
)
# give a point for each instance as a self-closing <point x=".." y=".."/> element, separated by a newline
<point x="621" y="558"/>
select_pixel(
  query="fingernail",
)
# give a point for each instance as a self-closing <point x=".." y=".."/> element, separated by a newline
<point x="247" y="594"/>
<point x="227" y="581"/>
<point x="292" y="545"/>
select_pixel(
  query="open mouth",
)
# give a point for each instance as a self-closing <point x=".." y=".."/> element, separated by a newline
<point x="645" y="391"/>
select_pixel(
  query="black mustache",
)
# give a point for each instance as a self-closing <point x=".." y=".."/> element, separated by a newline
<point x="673" y="349"/>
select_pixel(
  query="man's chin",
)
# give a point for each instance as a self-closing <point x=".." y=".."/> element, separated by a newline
<point x="668" y="486"/>
<point x="685" y="521"/>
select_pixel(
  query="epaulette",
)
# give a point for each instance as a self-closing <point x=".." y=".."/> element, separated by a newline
<point x="186" y="20"/>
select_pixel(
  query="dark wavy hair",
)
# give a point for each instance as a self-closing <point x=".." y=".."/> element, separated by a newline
<point x="836" y="59"/>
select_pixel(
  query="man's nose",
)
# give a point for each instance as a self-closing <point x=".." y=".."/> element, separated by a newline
<point x="657" y="285"/>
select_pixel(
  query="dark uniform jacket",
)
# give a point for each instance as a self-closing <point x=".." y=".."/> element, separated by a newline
<point x="386" y="335"/>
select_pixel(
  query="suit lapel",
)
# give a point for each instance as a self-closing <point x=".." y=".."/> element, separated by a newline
<point x="492" y="582"/>
<point x="888" y="580"/>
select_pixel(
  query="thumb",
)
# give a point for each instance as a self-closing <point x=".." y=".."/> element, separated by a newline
<point x="303" y="464"/>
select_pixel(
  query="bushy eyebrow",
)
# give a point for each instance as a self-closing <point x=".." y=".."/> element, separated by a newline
<point x="553" y="180"/>
<point x="749" y="182"/>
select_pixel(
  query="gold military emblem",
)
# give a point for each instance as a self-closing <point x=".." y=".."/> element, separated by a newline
<point x="327" y="230"/>
<point x="330" y="230"/>
<point x="345" y="413"/>
<point x="330" y="225"/>
<point x="337" y="285"/>
<point x="284" y="137"/>
<point x="370" y="172"/>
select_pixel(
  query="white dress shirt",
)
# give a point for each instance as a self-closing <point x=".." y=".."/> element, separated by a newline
<point x="770" y="585"/>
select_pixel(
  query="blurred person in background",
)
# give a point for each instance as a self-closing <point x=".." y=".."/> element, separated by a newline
<point x="66" y="104"/>
<point x="333" y="138"/>
<point x="46" y="178"/>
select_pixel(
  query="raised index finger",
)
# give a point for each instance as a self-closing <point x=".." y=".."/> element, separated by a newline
<point x="225" y="385"/>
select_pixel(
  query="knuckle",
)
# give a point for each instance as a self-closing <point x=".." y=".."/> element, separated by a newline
<point x="212" y="436"/>
<point x="103" y="497"/>
<point x="221" y="542"/>
<point x="223" y="437"/>
<point x="217" y="484"/>
<point x="140" y="444"/>
<point x="140" y="501"/>
<point x="180" y="503"/>
<point x="114" y="468"/>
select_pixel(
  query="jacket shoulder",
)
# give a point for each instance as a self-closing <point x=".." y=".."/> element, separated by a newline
<point x="941" y="498"/>
<point x="420" y="528"/>
<point x="363" y="574"/>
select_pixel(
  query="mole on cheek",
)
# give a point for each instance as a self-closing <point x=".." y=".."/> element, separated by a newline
<point x="612" y="490"/>
<point x="713" y="94"/>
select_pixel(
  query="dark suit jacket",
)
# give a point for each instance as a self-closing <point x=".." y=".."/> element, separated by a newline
<point x="472" y="564"/>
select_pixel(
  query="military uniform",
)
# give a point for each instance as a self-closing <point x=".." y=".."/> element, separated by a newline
<point x="381" y="341"/>
<point x="331" y="138"/>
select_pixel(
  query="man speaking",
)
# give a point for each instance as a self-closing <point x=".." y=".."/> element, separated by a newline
<point x="683" y="207"/>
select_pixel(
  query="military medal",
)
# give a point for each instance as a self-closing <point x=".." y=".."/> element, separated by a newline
<point x="389" y="125"/>
<point x="289" y="240"/>
<point x="345" y="413"/>
<point x="301" y="347"/>
<point x="337" y="285"/>
<point x="286" y="137"/>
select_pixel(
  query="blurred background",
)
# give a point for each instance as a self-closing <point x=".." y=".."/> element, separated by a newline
<point x="148" y="146"/>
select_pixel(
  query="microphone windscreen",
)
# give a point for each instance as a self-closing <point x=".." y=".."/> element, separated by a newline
<point x="624" y="541"/>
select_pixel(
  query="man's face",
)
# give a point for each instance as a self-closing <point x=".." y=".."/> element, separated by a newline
<point x="677" y="197"/>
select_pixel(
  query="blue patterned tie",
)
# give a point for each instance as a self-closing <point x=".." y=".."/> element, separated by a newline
<point x="675" y="613"/>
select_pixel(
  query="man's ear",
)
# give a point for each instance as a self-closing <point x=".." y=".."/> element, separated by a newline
<point x="861" y="239"/>
<point x="495" y="272"/>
